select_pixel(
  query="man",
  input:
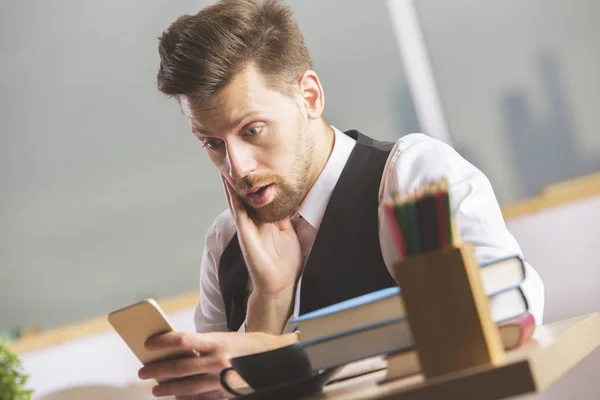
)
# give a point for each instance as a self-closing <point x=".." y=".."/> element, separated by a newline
<point x="302" y="229"/>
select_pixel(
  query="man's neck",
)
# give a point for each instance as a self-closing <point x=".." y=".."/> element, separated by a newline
<point x="324" y="140"/>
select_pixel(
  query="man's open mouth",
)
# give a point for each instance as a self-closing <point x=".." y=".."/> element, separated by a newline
<point x="259" y="190"/>
<point x="260" y="196"/>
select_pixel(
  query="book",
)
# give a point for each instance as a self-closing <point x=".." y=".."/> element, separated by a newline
<point x="514" y="333"/>
<point x="508" y="304"/>
<point x="394" y="334"/>
<point x="497" y="276"/>
<point x="502" y="273"/>
<point x="357" y="344"/>
<point x="517" y="331"/>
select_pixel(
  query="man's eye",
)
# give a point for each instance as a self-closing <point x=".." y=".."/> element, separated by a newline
<point x="255" y="130"/>
<point x="213" y="143"/>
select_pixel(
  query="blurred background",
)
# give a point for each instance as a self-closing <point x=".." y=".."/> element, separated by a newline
<point x="106" y="195"/>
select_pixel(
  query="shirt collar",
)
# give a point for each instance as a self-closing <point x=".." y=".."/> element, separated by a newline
<point x="313" y="207"/>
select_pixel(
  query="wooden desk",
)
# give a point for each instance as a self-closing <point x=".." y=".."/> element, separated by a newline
<point x="553" y="350"/>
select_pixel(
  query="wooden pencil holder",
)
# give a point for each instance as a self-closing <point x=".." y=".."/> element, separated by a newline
<point x="448" y="311"/>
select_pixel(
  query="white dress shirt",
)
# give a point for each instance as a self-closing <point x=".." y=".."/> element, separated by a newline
<point x="415" y="160"/>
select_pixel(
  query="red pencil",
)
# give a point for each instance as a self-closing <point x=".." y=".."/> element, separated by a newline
<point x="395" y="230"/>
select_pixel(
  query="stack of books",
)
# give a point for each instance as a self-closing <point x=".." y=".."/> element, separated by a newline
<point x="376" y="324"/>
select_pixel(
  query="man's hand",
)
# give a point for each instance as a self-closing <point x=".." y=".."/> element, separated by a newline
<point x="271" y="250"/>
<point x="274" y="260"/>
<point x="189" y="375"/>
<point x="198" y="377"/>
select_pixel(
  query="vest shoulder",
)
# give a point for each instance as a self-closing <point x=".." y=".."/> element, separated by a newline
<point x="398" y="144"/>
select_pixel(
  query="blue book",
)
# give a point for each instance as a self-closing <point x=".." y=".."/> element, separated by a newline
<point x="498" y="277"/>
<point x="352" y="303"/>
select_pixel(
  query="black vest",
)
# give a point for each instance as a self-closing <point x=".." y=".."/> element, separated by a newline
<point x="345" y="260"/>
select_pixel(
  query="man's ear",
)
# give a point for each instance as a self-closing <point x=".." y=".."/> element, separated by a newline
<point x="312" y="94"/>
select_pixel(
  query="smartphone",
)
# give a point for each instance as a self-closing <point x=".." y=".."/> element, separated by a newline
<point x="138" y="322"/>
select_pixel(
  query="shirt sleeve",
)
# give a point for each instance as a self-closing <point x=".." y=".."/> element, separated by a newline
<point x="210" y="314"/>
<point x="417" y="160"/>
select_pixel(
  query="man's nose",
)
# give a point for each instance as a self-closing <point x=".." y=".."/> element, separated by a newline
<point x="240" y="161"/>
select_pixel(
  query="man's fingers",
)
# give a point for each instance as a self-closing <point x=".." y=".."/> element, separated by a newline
<point x="190" y="386"/>
<point x="235" y="202"/>
<point x="184" y="341"/>
<point x="227" y="195"/>
<point x="183" y="367"/>
<point x="247" y="230"/>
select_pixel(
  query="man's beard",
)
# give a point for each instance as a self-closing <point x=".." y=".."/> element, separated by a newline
<point x="288" y="192"/>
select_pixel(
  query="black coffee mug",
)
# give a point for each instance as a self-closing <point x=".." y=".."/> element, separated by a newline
<point x="269" y="368"/>
<point x="289" y="368"/>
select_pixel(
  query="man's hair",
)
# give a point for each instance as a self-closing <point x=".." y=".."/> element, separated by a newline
<point x="201" y="53"/>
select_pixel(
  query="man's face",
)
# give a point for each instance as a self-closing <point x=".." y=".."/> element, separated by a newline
<point x="259" y="141"/>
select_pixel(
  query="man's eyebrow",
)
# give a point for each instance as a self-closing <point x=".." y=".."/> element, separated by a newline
<point x="235" y="124"/>
<point x="200" y="131"/>
<point x="247" y="115"/>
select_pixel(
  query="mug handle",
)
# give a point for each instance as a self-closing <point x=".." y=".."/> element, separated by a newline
<point x="223" y="381"/>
